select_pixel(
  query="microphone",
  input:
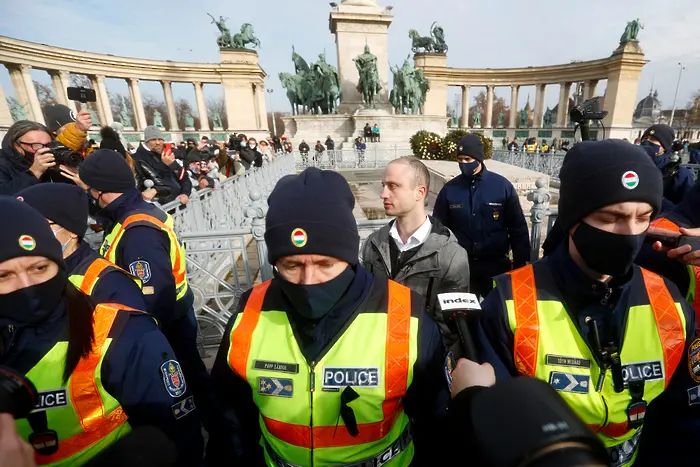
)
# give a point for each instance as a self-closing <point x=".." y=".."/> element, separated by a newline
<point x="144" y="446"/>
<point x="148" y="184"/>
<point x="458" y="308"/>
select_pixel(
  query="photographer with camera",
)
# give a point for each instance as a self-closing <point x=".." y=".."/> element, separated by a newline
<point x="657" y="141"/>
<point x="158" y="175"/>
<point x="29" y="155"/>
<point x="100" y="370"/>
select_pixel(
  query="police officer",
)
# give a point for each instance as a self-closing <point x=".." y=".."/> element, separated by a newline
<point x="99" y="371"/>
<point x="657" y="141"/>
<point x="325" y="364"/>
<point x="140" y="239"/>
<point x="609" y="336"/>
<point x="684" y="215"/>
<point x="66" y="208"/>
<point x="483" y="210"/>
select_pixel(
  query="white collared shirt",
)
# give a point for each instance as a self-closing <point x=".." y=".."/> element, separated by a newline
<point x="418" y="238"/>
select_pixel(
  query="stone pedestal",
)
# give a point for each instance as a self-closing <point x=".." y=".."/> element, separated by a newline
<point x="357" y="23"/>
<point x="394" y="129"/>
<point x="437" y="96"/>
<point x="621" y="92"/>
<point x="244" y="85"/>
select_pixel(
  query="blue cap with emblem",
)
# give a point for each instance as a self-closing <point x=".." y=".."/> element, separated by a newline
<point x="471" y="145"/>
<point x="25" y="232"/>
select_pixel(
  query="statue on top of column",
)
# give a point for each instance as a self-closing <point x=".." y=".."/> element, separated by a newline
<point x="224" y="40"/>
<point x="369" y="85"/>
<point x="631" y="31"/>
<point x="433" y="44"/>
<point x="245" y="37"/>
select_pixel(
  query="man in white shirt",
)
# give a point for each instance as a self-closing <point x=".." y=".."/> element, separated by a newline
<point x="414" y="249"/>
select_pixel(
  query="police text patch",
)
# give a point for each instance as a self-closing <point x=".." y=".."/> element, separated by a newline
<point x="276" y="366"/>
<point x="559" y="360"/>
<point x="280" y="387"/>
<point x="643" y="371"/>
<point x="694" y="360"/>
<point x="183" y="407"/>
<point x="51" y="399"/>
<point x="569" y="382"/>
<point x="359" y="377"/>
<point x="141" y="269"/>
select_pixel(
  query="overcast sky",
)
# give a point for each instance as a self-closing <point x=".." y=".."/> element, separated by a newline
<point x="497" y="34"/>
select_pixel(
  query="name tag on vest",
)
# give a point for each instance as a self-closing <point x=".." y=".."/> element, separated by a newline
<point x="643" y="371"/>
<point x="456" y="206"/>
<point x="559" y="360"/>
<point x="51" y="399"/>
<point x="358" y="377"/>
<point x="276" y="366"/>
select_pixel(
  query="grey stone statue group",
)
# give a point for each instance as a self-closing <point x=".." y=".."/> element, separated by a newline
<point x="239" y="40"/>
<point x="410" y="89"/>
<point x="314" y="88"/>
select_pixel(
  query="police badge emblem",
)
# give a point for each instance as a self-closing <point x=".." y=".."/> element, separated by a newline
<point x="173" y="379"/>
<point x="141" y="269"/>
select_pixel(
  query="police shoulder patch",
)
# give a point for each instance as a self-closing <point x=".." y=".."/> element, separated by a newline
<point x="450" y="365"/>
<point x="694" y="359"/>
<point x="173" y="379"/>
<point x="141" y="269"/>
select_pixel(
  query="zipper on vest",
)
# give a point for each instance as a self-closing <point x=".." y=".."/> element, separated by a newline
<point x="11" y="328"/>
<point x="312" y="387"/>
<point x="605" y="299"/>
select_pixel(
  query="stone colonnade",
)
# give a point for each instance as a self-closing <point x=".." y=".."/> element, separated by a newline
<point x="239" y="74"/>
<point x="621" y="70"/>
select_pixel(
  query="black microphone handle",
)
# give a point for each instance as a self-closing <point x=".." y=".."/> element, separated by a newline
<point x="466" y="338"/>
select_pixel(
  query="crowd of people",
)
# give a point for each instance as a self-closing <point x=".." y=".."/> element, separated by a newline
<point x="344" y="359"/>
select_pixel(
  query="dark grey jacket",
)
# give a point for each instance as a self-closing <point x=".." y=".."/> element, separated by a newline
<point x="441" y="265"/>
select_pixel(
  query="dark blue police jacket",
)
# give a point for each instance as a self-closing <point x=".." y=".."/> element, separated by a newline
<point x="678" y="186"/>
<point x="485" y="215"/>
<point x="235" y="440"/>
<point x="151" y="247"/>
<point x="131" y="373"/>
<point x="686" y="214"/>
<point x="672" y="423"/>
<point x="113" y="287"/>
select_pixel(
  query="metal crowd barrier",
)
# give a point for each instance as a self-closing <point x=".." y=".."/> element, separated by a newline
<point x="377" y="155"/>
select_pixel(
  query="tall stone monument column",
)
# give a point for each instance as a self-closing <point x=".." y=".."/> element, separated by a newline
<point x="243" y="81"/>
<point x="621" y="92"/>
<point x="357" y="23"/>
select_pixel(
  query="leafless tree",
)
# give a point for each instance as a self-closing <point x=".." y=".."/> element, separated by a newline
<point x="45" y="93"/>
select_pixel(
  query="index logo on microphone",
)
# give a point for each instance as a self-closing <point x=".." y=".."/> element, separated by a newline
<point x="458" y="301"/>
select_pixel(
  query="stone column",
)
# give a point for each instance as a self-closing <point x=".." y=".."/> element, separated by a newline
<point x="170" y="105"/>
<point x="539" y="105"/>
<point x="262" y="108"/>
<point x="5" y="115"/>
<point x="589" y="88"/>
<point x="201" y="106"/>
<point x="20" y="89"/>
<point x="58" y="89"/>
<point x="104" y="111"/>
<point x="489" y="106"/>
<point x="623" y="70"/>
<point x="137" y="103"/>
<point x="563" y="109"/>
<point x="62" y="79"/>
<point x="33" y="97"/>
<point x="464" y="118"/>
<point x="512" y="118"/>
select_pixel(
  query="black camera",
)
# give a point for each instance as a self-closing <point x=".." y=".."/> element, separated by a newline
<point x="65" y="155"/>
<point x="18" y="395"/>
<point x="587" y="110"/>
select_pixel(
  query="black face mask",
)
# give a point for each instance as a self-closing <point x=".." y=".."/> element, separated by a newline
<point x="606" y="252"/>
<point x="315" y="301"/>
<point x="32" y="305"/>
<point x="94" y="207"/>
